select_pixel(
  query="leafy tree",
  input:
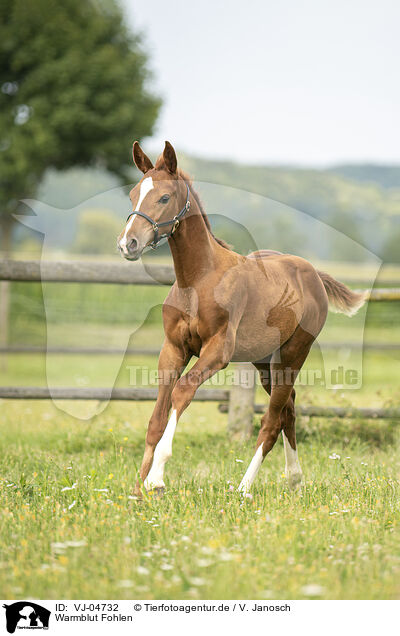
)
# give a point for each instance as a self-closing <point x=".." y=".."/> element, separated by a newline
<point x="72" y="92"/>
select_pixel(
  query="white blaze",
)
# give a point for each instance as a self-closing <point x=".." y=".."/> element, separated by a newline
<point x="145" y="187"/>
<point x="252" y="471"/>
<point x="163" y="451"/>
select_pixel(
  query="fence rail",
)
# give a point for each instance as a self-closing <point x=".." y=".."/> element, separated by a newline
<point x="115" y="273"/>
<point x="16" y="349"/>
<point x="123" y="273"/>
<point x="88" y="393"/>
<point x="333" y="411"/>
<point x="202" y="395"/>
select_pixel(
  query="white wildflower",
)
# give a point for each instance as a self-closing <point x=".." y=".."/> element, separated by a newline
<point x="204" y="563"/>
<point x="57" y="546"/>
<point x="69" y="487"/>
<point x="76" y="544"/>
<point x="166" y="566"/>
<point x="206" y="550"/>
<point x="125" y="583"/>
<point x="313" y="589"/>
<point x="197" y="581"/>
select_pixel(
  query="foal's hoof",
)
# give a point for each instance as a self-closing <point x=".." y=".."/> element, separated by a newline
<point x="136" y="496"/>
<point x="137" y="491"/>
<point x="158" y="492"/>
<point x="295" y="481"/>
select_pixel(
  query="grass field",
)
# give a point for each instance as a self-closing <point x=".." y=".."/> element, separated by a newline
<point x="70" y="530"/>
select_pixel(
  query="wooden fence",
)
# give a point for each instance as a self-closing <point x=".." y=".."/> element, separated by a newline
<point x="372" y="346"/>
<point x="238" y="401"/>
<point x="114" y="273"/>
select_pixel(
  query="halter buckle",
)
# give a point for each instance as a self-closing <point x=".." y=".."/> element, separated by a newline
<point x="174" y="227"/>
<point x="155" y="227"/>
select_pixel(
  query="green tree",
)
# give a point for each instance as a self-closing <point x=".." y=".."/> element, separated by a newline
<point x="72" y="92"/>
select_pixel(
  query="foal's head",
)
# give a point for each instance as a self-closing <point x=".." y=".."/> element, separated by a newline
<point x="156" y="202"/>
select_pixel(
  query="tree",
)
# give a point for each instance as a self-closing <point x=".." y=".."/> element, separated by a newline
<point x="73" y="92"/>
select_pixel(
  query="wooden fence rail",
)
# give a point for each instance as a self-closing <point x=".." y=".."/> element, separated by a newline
<point x="88" y="393"/>
<point x="334" y="411"/>
<point x="123" y="273"/>
<point x="114" y="273"/>
<point x="12" y="349"/>
<point x="202" y="395"/>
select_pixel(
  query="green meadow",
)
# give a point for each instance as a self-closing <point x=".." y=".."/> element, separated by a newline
<point x="69" y="528"/>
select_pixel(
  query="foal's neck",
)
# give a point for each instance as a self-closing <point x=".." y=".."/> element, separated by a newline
<point x="193" y="248"/>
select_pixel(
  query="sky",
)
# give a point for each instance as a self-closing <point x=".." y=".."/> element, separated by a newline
<point x="299" y="82"/>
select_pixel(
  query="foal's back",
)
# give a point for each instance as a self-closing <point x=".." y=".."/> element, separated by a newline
<point x="282" y="292"/>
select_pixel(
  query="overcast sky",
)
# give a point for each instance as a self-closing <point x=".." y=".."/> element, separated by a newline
<point x="311" y="82"/>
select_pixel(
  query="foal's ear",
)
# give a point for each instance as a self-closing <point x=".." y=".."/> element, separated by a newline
<point x="169" y="156"/>
<point x="141" y="159"/>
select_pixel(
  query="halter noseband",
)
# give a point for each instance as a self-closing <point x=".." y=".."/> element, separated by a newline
<point x="156" y="225"/>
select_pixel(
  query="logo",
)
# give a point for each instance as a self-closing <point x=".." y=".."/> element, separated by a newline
<point x="26" y="615"/>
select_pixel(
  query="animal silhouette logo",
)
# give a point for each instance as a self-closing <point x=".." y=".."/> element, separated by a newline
<point x="26" y="615"/>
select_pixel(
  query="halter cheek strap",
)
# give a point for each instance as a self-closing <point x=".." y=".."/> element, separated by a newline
<point x="156" y="225"/>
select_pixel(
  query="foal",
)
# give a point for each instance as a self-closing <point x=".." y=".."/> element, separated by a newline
<point x="266" y="308"/>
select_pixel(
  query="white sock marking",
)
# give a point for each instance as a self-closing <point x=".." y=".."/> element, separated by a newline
<point x="163" y="451"/>
<point x="146" y="185"/>
<point x="252" y="471"/>
<point x="292" y="468"/>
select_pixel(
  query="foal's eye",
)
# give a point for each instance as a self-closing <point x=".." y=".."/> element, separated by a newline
<point x="164" y="198"/>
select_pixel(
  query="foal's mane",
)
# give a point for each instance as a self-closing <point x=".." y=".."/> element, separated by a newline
<point x="193" y="192"/>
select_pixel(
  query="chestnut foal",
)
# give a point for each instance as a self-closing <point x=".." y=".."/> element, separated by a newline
<point x="266" y="308"/>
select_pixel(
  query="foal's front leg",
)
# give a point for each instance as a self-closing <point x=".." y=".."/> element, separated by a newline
<point x="215" y="356"/>
<point x="159" y="435"/>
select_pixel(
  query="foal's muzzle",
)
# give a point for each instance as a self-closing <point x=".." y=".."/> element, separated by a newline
<point x="131" y="250"/>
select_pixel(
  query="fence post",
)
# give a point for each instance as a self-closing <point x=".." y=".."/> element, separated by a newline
<point x="241" y="403"/>
<point x="4" y="316"/>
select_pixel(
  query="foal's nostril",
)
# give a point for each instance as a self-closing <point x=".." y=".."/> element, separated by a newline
<point x="132" y="245"/>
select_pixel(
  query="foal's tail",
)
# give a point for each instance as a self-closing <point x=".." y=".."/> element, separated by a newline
<point x="342" y="299"/>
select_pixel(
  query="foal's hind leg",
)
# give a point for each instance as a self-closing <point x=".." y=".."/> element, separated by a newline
<point x="285" y="366"/>
<point x="293" y="470"/>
